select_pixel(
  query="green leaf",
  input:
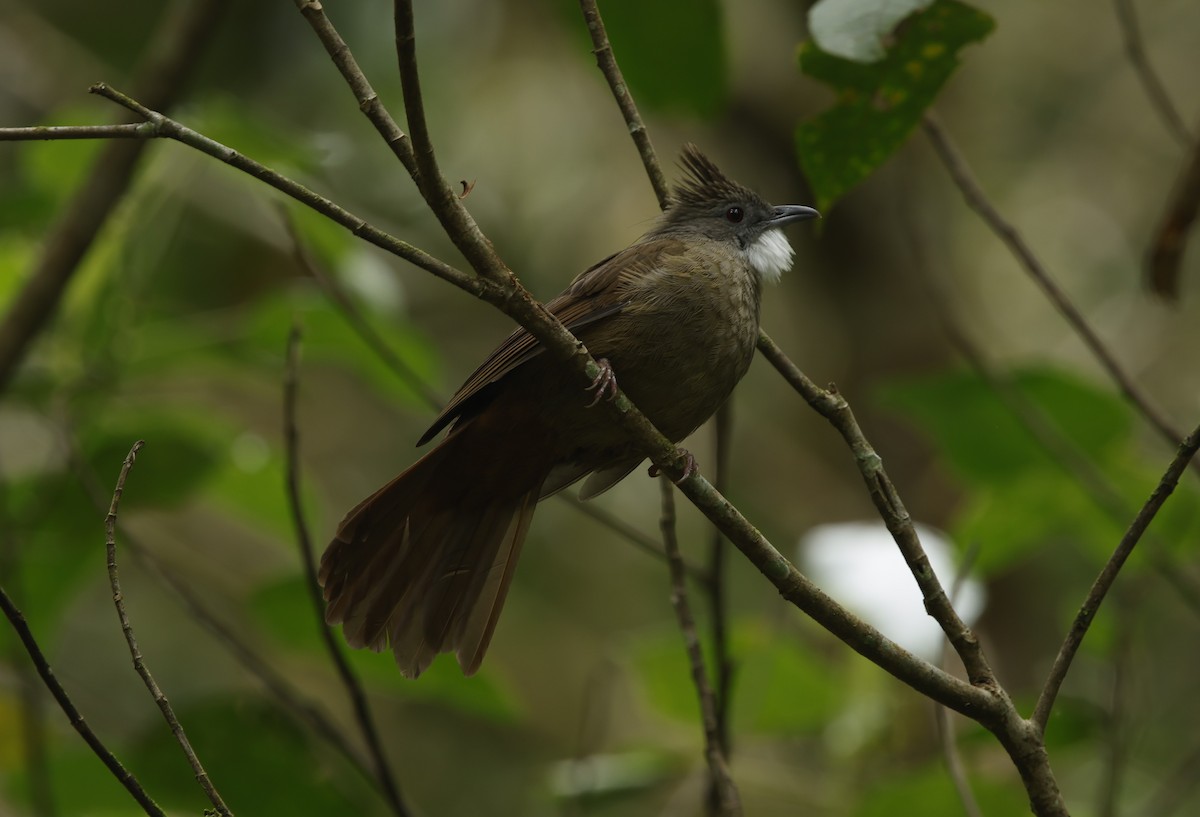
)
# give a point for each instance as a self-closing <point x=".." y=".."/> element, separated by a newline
<point x="671" y="53"/>
<point x="879" y="104"/>
<point x="285" y="611"/>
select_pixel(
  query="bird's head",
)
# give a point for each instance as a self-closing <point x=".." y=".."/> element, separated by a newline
<point x="709" y="202"/>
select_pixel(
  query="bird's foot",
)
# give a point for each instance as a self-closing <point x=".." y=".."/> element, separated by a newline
<point x="689" y="466"/>
<point x="605" y="384"/>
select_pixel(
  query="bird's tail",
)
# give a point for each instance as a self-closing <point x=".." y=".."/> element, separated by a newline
<point x="423" y="565"/>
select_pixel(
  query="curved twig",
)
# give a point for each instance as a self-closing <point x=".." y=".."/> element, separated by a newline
<point x="727" y="800"/>
<point x="160" y="698"/>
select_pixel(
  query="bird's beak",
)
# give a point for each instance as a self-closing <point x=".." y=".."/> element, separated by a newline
<point x="787" y="213"/>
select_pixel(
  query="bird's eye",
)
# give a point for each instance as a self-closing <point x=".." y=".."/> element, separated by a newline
<point x="734" y="214"/>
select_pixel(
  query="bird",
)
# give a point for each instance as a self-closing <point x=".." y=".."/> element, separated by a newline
<point x="422" y="566"/>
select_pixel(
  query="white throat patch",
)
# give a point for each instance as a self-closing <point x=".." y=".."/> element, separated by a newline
<point x="770" y="255"/>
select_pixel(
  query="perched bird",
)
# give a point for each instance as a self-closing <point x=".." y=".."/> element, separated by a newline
<point x="422" y="566"/>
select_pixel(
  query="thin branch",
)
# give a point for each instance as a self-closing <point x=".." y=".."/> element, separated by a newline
<point x="1108" y="575"/>
<point x="354" y="689"/>
<point x="63" y="132"/>
<point x="32" y="696"/>
<point x="716" y="588"/>
<point x="123" y="775"/>
<point x="442" y="199"/>
<point x="174" y="52"/>
<point x="368" y="100"/>
<point x="727" y="801"/>
<point x="607" y="63"/>
<point x="977" y="200"/>
<point x="1178" y="220"/>
<point x="1152" y="84"/>
<point x="114" y="580"/>
<point x="941" y="715"/>
<point x="166" y="128"/>
<point x="834" y="408"/>
<point x="281" y="691"/>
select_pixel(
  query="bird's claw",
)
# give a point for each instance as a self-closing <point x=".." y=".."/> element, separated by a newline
<point x="605" y="384"/>
<point x="689" y="466"/>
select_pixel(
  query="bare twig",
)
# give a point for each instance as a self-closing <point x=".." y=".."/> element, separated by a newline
<point x="166" y="128"/>
<point x="438" y="193"/>
<point x="976" y="199"/>
<point x="281" y="691"/>
<point x="607" y="63"/>
<point x="716" y="585"/>
<point x="945" y="724"/>
<point x="1108" y="575"/>
<point x="727" y="800"/>
<point x="1152" y="84"/>
<point x="123" y="775"/>
<point x="354" y="689"/>
<point x="175" y="49"/>
<point x="834" y="408"/>
<point x="32" y="696"/>
<point x="62" y="132"/>
<point x="114" y="580"/>
<point x="1166" y="253"/>
<point x="368" y="100"/>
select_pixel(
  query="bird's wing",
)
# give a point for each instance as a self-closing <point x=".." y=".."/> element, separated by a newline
<point x="597" y="293"/>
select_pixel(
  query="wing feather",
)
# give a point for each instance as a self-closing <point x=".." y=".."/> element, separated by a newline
<point x="597" y="293"/>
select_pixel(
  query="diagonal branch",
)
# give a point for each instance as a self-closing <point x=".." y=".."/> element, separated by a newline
<point x="1108" y="575"/>
<point x="834" y="408"/>
<point x="726" y="801"/>
<point x="139" y="664"/>
<point x="977" y="200"/>
<point x="123" y="775"/>
<point x="354" y="689"/>
<point x="176" y="47"/>
<point x="607" y="63"/>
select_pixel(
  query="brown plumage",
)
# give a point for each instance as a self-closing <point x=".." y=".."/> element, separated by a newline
<point x="422" y="566"/>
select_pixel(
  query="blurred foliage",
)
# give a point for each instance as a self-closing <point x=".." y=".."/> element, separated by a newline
<point x="173" y="331"/>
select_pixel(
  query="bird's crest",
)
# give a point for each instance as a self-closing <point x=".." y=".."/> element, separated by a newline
<point x="704" y="184"/>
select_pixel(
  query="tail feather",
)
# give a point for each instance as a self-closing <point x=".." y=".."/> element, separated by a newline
<point x="424" y="564"/>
